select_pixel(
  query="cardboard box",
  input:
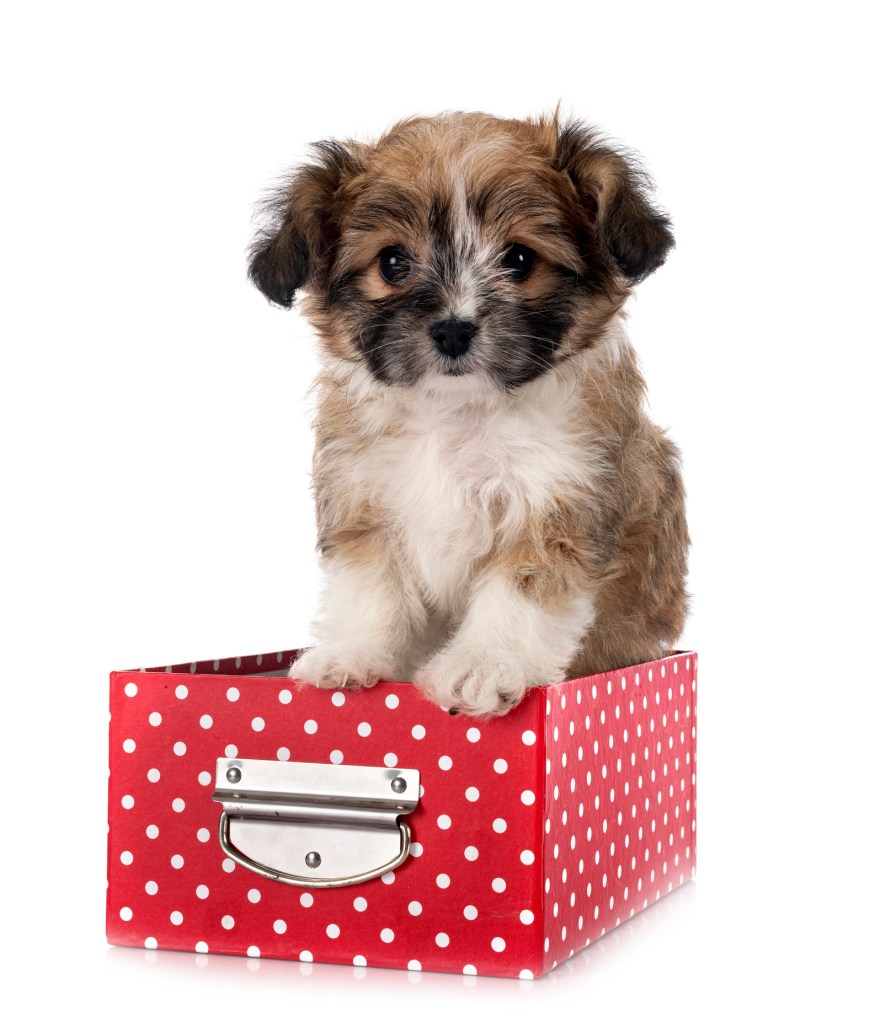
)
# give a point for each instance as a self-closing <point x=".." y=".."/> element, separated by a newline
<point x="532" y="834"/>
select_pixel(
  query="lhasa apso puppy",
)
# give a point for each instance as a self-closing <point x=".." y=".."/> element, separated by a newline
<point x="495" y="509"/>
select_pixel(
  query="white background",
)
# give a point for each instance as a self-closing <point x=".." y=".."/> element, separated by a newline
<point x="156" y="442"/>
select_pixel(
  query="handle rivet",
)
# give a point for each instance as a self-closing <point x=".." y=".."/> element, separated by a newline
<point x="398" y="785"/>
<point x="233" y="775"/>
<point x="313" y="859"/>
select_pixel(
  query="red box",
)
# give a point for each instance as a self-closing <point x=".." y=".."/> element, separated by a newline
<point x="534" y="834"/>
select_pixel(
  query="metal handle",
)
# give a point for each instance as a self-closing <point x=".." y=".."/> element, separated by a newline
<point x="339" y="821"/>
<point x="303" y="880"/>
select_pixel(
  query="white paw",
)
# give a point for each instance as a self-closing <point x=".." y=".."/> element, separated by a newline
<point x="332" y="666"/>
<point x="484" y="684"/>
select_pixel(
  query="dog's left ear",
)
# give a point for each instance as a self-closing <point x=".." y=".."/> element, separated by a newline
<point x="296" y="247"/>
<point x="614" y="191"/>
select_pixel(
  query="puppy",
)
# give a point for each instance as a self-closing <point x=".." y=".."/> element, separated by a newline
<point x="495" y="510"/>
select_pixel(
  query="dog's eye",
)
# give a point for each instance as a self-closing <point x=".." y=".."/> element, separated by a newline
<point x="394" y="264"/>
<point x="519" y="261"/>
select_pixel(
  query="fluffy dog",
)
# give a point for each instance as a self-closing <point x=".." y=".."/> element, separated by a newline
<point x="495" y="510"/>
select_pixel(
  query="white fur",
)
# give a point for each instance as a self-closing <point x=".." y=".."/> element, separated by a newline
<point x="458" y="466"/>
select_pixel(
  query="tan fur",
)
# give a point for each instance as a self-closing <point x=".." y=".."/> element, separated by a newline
<point x="557" y="503"/>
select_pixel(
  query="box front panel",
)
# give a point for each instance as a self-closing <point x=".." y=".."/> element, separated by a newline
<point x="468" y="897"/>
<point x="620" y="782"/>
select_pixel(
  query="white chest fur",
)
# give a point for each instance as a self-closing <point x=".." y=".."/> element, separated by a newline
<point x="458" y="480"/>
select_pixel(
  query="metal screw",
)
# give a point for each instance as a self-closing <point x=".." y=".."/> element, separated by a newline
<point x="313" y="859"/>
<point x="399" y="784"/>
<point x="233" y="775"/>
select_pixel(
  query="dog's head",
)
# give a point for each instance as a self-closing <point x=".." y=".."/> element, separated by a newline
<point x="462" y="252"/>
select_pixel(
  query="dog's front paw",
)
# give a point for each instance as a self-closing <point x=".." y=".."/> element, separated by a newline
<point x="329" y="666"/>
<point x="482" y="685"/>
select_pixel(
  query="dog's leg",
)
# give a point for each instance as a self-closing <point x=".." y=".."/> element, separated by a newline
<point x="369" y="616"/>
<point x="510" y="639"/>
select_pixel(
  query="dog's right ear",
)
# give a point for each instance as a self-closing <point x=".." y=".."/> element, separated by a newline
<point x="296" y="245"/>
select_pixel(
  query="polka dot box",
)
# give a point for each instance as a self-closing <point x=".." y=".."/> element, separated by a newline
<point x="534" y="834"/>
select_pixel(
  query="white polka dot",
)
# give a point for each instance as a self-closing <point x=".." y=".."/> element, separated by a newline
<point x="176" y="861"/>
<point x="443" y="880"/>
<point x="360" y="961"/>
<point x="390" y="759"/>
<point x="391" y="701"/>
<point x="128" y="802"/>
<point x="445" y="763"/>
<point x="279" y="926"/>
<point x="228" y="922"/>
<point x="206" y="721"/>
<point x="498" y="944"/>
<point x="444" y="821"/>
<point x="387" y="935"/>
<point x="305" y="956"/>
<point x="202" y="891"/>
<point x="181" y="692"/>
<point x="283" y="753"/>
<point x="306" y="900"/>
<point x="253" y="952"/>
<point x="129" y="745"/>
<point x="154" y="775"/>
<point x="254" y="895"/>
<point x="499" y="825"/>
<point x="526" y="916"/>
<point x="527" y="797"/>
<point x="126" y="913"/>
<point x="204" y="778"/>
<point x="178" y="805"/>
<point x="151" y="887"/>
<point x="415" y="908"/>
<point x="176" y="918"/>
<point x="151" y="942"/>
<point x="500" y="766"/>
<point x="232" y="694"/>
<point x="333" y="931"/>
<point x="258" y="724"/>
<point x="471" y="853"/>
<point x="416" y="849"/>
<point x="388" y="878"/>
<point x="131" y="689"/>
<point x="360" y="904"/>
<point x="179" y="748"/>
<point x="469" y="971"/>
<point x="152" y="831"/>
<point x="472" y="794"/>
<point x="231" y="751"/>
<point x="201" y="946"/>
<point x="418" y="732"/>
<point x="285" y="696"/>
<point x="442" y="939"/>
<point x="364" y="728"/>
<point x="498" y="884"/>
<point x="413" y="964"/>
<point x="335" y="756"/>
<point x="338" y="699"/>
<point x="228" y="865"/>
<point x="471" y="912"/>
<point x="155" y="718"/>
<point x="473" y="735"/>
<point x="126" y="857"/>
<point x="310" y="727"/>
<point x="527" y="856"/>
<point x="528" y="737"/>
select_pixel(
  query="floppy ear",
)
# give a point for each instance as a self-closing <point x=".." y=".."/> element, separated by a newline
<point x="614" y="189"/>
<point x="294" y="249"/>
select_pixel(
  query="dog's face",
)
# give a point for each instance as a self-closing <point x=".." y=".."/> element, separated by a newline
<point x="462" y="252"/>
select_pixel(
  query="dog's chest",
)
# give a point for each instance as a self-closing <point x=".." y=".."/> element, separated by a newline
<point x="456" y="485"/>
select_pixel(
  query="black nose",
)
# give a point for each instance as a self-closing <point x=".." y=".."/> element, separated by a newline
<point x="453" y="337"/>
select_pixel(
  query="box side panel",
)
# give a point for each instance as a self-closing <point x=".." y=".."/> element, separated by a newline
<point x="620" y="812"/>
<point x="467" y="899"/>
